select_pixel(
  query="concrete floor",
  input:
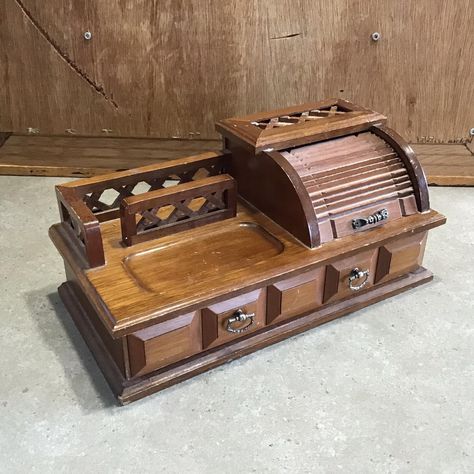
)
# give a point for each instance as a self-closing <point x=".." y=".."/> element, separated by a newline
<point x="387" y="389"/>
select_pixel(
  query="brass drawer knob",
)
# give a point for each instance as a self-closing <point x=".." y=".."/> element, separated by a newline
<point x="357" y="274"/>
<point x="239" y="316"/>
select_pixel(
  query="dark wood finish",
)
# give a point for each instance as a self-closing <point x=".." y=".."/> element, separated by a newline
<point x="352" y="177"/>
<point x="414" y="169"/>
<point x="293" y="296"/>
<point x="83" y="225"/>
<point x="82" y="317"/>
<point x="186" y="293"/>
<point x="215" y="318"/>
<point x="402" y="256"/>
<point x="332" y="181"/>
<point x="272" y="253"/>
<point x="186" y="206"/>
<point x="115" y="347"/>
<point x="269" y="183"/>
<point x="163" y="344"/>
<point x="131" y="390"/>
<point x="384" y="261"/>
<point x="298" y="125"/>
<point x="338" y="273"/>
<point x="82" y="209"/>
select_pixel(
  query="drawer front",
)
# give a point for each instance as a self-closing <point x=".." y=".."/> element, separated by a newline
<point x="343" y="225"/>
<point x="399" y="257"/>
<point x="164" y="343"/>
<point x="295" y="295"/>
<point x="220" y="322"/>
<point x="341" y="276"/>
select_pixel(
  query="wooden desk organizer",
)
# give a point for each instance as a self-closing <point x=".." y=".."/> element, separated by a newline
<point x="171" y="276"/>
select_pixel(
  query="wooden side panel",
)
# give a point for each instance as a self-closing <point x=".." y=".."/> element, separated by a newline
<point x="269" y="182"/>
<point x="151" y="65"/>
<point x="399" y="257"/>
<point x="163" y="344"/>
<point x="115" y="347"/>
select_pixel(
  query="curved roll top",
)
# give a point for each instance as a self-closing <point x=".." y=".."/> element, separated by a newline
<point x="335" y="177"/>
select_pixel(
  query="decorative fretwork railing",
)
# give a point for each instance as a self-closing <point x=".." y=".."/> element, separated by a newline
<point x="183" y="207"/>
<point x="301" y="117"/>
<point x="83" y="204"/>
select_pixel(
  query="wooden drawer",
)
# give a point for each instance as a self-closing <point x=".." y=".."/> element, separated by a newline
<point x="337" y="282"/>
<point x="215" y="318"/>
<point x="165" y="343"/>
<point x="294" y="296"/>
<point x="342" y="226"/>
<point x="399" y="257"/>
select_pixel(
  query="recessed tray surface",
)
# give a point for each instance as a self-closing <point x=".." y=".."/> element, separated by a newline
<point x="218" y="256"/>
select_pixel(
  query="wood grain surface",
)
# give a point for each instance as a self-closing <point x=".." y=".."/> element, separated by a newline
<point x="168" y="68"/>
<point x="106" y="285"/>
<point x="447" y="165"/>
<point x="131" y="390"/>
<point x="91" y="156"/>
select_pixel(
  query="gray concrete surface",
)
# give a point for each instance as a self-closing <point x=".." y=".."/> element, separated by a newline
<point x="388" y="389"/>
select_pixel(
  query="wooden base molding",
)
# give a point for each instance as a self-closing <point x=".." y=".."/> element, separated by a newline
<point x="444" y="165"/>
<point x="133" y="389"/>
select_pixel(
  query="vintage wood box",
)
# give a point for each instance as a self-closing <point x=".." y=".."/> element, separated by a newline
<point x="309" y="213"/>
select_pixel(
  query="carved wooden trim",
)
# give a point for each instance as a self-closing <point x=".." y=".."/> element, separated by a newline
<point x="274" y="295"/>
<point x="187" y="206"/>
<point x="383" y="264"/>
<point x="407" y="155"/>
<point x="313" y="238"/>
<point x="331" y="283"/>
<point x="85" y="226"/>
<point x="298" y="125"/>
<point x="81" y="208"/>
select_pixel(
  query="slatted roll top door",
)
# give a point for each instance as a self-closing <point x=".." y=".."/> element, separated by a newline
<point x="353" y="177"/>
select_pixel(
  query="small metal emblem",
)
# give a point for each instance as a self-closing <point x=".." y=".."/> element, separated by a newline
<point x="378" y="216"/>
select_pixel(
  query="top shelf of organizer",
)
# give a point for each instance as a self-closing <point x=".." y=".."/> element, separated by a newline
<point x="299" y="125"/>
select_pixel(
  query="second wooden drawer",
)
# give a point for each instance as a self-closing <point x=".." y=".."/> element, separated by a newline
<point x="220" y="322"/>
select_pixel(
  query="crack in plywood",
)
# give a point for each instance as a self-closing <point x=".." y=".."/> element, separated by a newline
<point x="64" y="56"/>
<point x="4" y="137"/>
<point x="470" y="146"/>
<point x="292" y="35"/>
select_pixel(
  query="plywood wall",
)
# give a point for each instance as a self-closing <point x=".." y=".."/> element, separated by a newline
<point x="171" y="68"/>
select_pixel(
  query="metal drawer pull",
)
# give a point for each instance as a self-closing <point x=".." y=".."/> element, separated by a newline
<point x="356" y="274"/>
<point x="239" y="316"/>
<point x="378" y="216"/>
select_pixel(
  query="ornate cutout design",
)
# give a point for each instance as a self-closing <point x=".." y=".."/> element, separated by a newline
<point x="302" y="117"/>
<point x="181" y="210"/>
<point x="100" y="201"/>
<point x="187" y="205"/>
